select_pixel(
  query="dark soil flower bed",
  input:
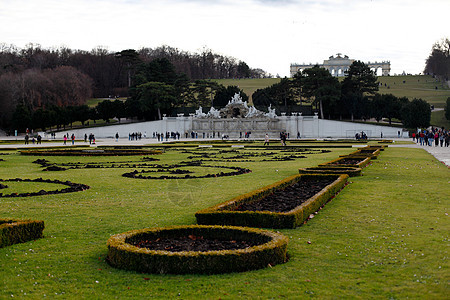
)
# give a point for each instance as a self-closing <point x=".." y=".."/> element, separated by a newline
<point x="196" y="249"/>
<point x="332" y="169"/>
<point x="348" y="161"/>
<point x="72" y="187"/>
<point x="279" y="205"/>
<point x="2" y="186"/>
<point x="288" y="198"/>
<point x="194" y="243"/>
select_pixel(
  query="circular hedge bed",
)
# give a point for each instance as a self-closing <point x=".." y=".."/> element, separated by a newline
<point x="196" y="249"/>
<point x="72" y="187"/>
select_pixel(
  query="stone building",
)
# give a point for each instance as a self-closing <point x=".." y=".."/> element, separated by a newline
<point x="338" y="65"/>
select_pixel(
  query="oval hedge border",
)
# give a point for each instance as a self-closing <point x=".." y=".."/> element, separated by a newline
<point x="123" y="255"/>
<point x="237" y="171"/>
<point x="19" y="231"/>
<point x="72" y="187"/>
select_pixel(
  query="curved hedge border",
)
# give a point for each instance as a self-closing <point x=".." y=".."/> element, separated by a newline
<point x="19" y="231"/>
<point x="123" y="255"/>
<point x="237" y="171"/>
<point x="350" y="171"/>
<point x="73" y="187"/>
<point x="90" y="152"/>
<point x="224" y="213"/>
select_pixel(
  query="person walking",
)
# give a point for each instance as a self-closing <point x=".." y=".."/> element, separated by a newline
<point x="266" y="140"/>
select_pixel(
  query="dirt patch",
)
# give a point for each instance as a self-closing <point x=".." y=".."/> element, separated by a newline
<point x="288" y="198"/>
<point x="194" y="243"/>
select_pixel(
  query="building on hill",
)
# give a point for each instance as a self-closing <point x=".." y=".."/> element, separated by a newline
<point x="338" y="65"/>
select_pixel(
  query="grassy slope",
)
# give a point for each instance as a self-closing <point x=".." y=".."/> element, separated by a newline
<point x="416" y="86"/>
<point x="384" y="236"/>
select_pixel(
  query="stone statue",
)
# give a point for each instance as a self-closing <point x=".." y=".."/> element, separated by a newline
<point x="213" y="113"/>
<point x="199" y="113"/>
<point x="253" y="112"/>
<point x="271" y="113"/>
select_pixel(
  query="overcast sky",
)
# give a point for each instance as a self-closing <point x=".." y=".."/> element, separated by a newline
<point x="266" y="34"/>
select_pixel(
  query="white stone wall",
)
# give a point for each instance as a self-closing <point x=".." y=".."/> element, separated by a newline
<point x="307" y="126"/>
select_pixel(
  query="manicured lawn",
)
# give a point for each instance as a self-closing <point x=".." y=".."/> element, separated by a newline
<point x="384" y="236"/>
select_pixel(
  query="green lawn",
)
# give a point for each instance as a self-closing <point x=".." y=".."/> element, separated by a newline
<point x="384" y="236"/>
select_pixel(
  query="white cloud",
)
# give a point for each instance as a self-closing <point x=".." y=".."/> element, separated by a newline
<point x="268" y="34"/>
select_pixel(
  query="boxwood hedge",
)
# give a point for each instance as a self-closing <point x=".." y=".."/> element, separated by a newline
<point x="122" y="254"/>
<point x="350" y="171"/>
<point x="225" y="213"/>
<point x="19" y="231"/>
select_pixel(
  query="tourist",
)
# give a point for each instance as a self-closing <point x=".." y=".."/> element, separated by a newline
<point x="117" y="136"/>
<point x="73" y="139"/>
<point x="65" y="139"/>
<point x="266" y="140"/>
<point x="39" y="139"/>
<point x="85" y="138"/>
<point x="27" y="138"/>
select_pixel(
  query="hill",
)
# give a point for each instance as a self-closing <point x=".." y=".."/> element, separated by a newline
<point x="411" y="86"/>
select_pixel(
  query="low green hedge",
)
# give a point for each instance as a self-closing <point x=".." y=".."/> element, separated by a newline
<point x="122" y="254"/>
<point x="350" y="171"/>
<point x="371" y="152"/>
<point x="19" y="231"/>
<point x="363" y="161"/>
<point x="225" y="213"/>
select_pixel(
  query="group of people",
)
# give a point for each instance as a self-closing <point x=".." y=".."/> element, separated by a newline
<point x="38" y="139"/>
<point x="363" y="136"/>
<point x="66" y="137"/>
<point x="135" y="136"/>
<point x="440" y="136"/>
<point x="167" y="135"/>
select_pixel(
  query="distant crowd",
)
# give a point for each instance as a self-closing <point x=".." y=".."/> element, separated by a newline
<point x="436" y="136"/>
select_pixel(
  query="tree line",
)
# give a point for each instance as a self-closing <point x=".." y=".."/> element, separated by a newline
<point x="438" y="62"/>
<point x="157" y="89"/>
<point x="35" y="78"/>
<point x="355" y="97"/>
<point x="111" y="71"/>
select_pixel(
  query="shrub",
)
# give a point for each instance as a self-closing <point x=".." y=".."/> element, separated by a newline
<point x="122" y="254"/>
<point x="19" y="231"/>
<point x="225" y="213"/>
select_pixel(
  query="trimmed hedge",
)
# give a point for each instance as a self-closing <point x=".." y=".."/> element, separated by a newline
<point x="19" y="231"/>
<point x="350" y="171"/>
<point x="225" y="213"/>
<point x="363" y="161"/>
<point x="123" y="255"/>
<point x="366" y="151"/>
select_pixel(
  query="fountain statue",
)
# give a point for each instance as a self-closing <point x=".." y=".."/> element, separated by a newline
<point x="199" y="113"/>
<point x="213" y="113"/>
